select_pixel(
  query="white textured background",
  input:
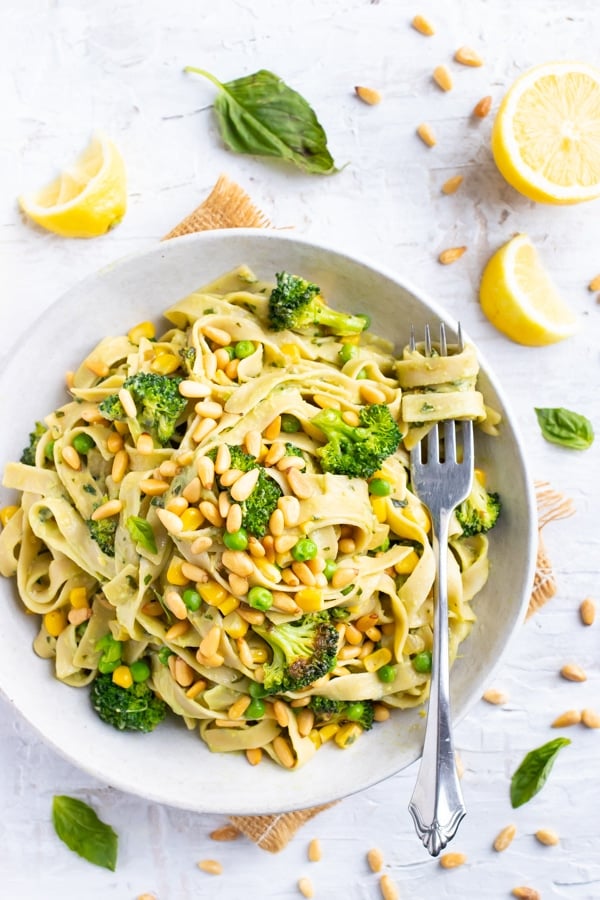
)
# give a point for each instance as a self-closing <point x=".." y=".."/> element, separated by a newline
<point x="69" y="67"/>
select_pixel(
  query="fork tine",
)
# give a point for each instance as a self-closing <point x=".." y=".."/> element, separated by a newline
<point x="433" y="445"/>
<point x="467" y="438"/>
<point x="460" y="342"/>
<point x="427" y="340"/>
<point x="443" y="344"/>
<point x="449" y="441"/>
<point x="412" y="343"/>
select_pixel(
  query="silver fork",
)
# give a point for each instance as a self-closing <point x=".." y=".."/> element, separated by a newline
<point x="441" y="483"/>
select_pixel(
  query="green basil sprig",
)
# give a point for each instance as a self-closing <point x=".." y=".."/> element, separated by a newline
<point x="142" y="533"/>
<point x="82" y="831"/>
<point x="531" y="775"/>
<point x="565" y="427"/>
<point x="259" y="114"/>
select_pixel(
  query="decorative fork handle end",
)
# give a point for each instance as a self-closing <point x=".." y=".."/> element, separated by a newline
<point x="437" y="835"/>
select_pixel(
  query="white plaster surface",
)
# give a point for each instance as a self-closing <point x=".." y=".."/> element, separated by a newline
<point x="70" y="67"/>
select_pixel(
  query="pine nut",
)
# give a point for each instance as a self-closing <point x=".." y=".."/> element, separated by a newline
<point x="283" y="603"/>
<point x="547" y="836"/>
<point x="351" y="418"/>
<point x="290" y="462"/>
<point x="254" y="755"/>
<point x="252" y="616"/>
<point x="212" y="662"/>
<point x="570" y="717"/>
<point x="423" y="26"/>
<point x="210" y="365"/>
<point x="91" y="414"/>
<point x="238" y="585"/>
<point x="346" y="546"/>
<point x="194" y="389"/>
<point x="526" y="893"/>
<point x="192" y="490"/>
<point x="382" y="714"/>
<point x="201" y="544"/>
<point x="255" y="548"/>
<point x="587" y="611"/>
<point x="205" y="468"/>
<point x="447" y="257"/>
<point x="590" y="718"/>
<point x="152" y="609"/>
<point x="217" y="335"/>
<point x="371" y="394"/>
<point x="114" y="442"/>
<point x="210" y="642"/>
<point x="273" y="430"/>
<point x="573" y="673"/>
<point x="326" y="402"/>
<point x="368" y="95"/>
<point x="106" y="510"/>
<point x="184" y="674"/>
<point x="233" y="521"/>
<point x="97" y="367"/>
<point x="145" y="444"/>
<point x="225" y="833"/>
<point x="426" y="133"/>
<point x="305" y="887"/>
<point x="300" y="702"/>
<point x="594" y="284"/>
<point x="253" y="442"/>
<point x="224" y="503"/>
<point x="222" y="459"/>
<point x="281" y="714"/>
<point x="452" y="860"/>
<point x="244" y="486"/>
<point x="482" y="109"/>
<point x="71" y="457"/>
<point x="244" y="653"/>
<point x="348" y="652"/>
<point x="305" y="721"/>
<point x="283" y="751"/>
<point x="375" y="859"/>
<point x="184" y="458"/>
<point x="211" y="866"/>
<point x="277" y="525"/>
<point x="177" y="505"/>
<point x="505" y="838"/>
<point x="77" y="616"/>
<point x="211" y="513"/>
<point x="275" y="452"/>
<point x="231" y="369"/>
<point x="285" y="542"/>
<point x="301" y="570"/>
<point x="443" y="78"/>
<point x="203" y="429"/>
<point x="172" y="523"/>
<point x="388" y="889"/>
<point x="128" y="403"/>
<point x="468" y="57"/>
<point x="299" y="484"/>
<point x="237" y="709"/>
<point x="176" y="631"/>
<point x="153" y="487"/>
<point x="230" y="476"/>
<point x="193" y="573"/>
<point x="452" y="184"/>
<point x="342" y="577"/>
<point x="497" y="698"/>
<point x="222" y="358"/>
<point x="237" y="562"/>
<point x="314" y="850"/>
<point x="175" y="604"/>
<point x="208" y="409"/>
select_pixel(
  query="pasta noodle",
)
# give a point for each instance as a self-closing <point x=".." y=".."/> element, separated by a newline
<point x="170" y="508"/>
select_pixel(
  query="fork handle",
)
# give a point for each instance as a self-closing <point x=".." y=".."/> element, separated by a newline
<point x="438" y="812"/>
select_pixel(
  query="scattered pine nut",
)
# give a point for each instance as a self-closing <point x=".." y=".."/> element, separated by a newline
<point x="451" y="255"/>
<point x="466" y="56"/>
<point x="128" y="403"/>
<point x="547" y="836"/>
<point x="388" y="889"/>
<point x="145" y="444"/>
<point x="211" y="866"/>
<point x="225" y="833"/>
<point x="452" y="184"/>
<point x="504" y="838"/>
<point x="314" y="850"/>
<point x="368" y="95"/>
<point x="305" y="887"/>
<point x="452" y="860"/>
<point x="423" y="26"/>
<point x="425" y="132"/>
<point x="443" y="78"/>
<point x="172" y="523"/>
<point x="482" y="109"/>
<point x="283" y="749"/>
<point x="590" y="718"/>
<point x="573" y="673"/>
<point x="587" y="611"/>
<point x="375" y="859"/>
<point x="254" y="755"/>
<point x="146" y="897"/>
<point x="497" y="698"/>
<point x="71" y="457"/>
<point x="194" y="389"/>
<point x="570" y="717"/>
<point x="217" y="335"/>
<point x="299" y="484"/>
<point x="106" y="510"/>
<point x="594" y="284"/>
<point x="526" y="893"/>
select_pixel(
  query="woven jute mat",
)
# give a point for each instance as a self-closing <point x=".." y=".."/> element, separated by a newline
<point x="229" y="206"/>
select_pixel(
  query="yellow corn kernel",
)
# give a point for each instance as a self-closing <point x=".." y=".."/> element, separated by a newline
<point x="315" y="737"/>
<point x="229" y="605"/>
<point x="379" y="505"/>
<point x="122" y="676"/>
<point x="174" y="573"/>
<point x="350" y="339"/>
<point x="376" y="660"/>
<point x="6" y="513"/>
<point x="406" y="565"/>
<point x="165" y="363"/>
<point x="142" y="330"/>
<point x="292" y="351"/>
<point x="212" y="593"/>
<point x="192" y="518"/>
<point x="269" y="570"/>
<point x="120" y="633"/>
<point x="55" y="622"/>
<point x="481" y="476"/>
<point x="234" y="625"/>
<point x="328" y="731"/>
<point x="78" y="598"/>
<point x="259" y="654"/>
<point x="419" y="516"/>
<point x="347" y="734"/>
<point x="309" y="599"/>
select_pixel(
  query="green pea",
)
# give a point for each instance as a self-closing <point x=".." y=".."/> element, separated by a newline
<point x="386" y="674"/>
<point x="106" y="666"/>
<point x="236" y="540"/>
<point x="330" y="567"/>
<point x="192" y="599"/>
<point x="304" y="549"/>
<point x="256" y="690"/>
<point x="229" y="350"/>
<point x="140" y="670"/>
<point x="362" y="374"/>
<point x="83" y="443"/>
<point x="289" y="423"/>
<point x="110" y="647"/>
<point x="422" y="661"/>
<point x="354" y="711"/>
<point x="163" y="655"/>
<point x="256" y="710"/>
<point x="243" y="349"/>
<point x="385" y="545"/>
<point x="260" y="598"/>
<point x="348" y="352"/>
<point x="49" y="451"/>
<point x="380" y="487"/>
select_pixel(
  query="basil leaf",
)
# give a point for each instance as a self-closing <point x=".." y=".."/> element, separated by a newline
<point x="531" y="775"/>
<point x="79" y="827"/>
<point x="565" y="427"/>
<point x="259" y="114"/>
<point x="142" y="533"/>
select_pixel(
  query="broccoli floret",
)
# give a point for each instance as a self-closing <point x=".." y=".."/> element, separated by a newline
<point x="103" y="532"/>
<point x="297" y="304"/>
<point x="339" y="711"/>
<point x="257" y="508"/>
<point x="188" y="355"/>
<point x="129" y="709"/>
<point x="303" y="652"/>
<point x="479" y="512"/>
<point x="28" y="454"/>
<point x="357" y="451"/>
<point x="158" y="403"/>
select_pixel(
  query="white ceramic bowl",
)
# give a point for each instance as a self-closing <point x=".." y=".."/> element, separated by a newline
<point x="172" y="765"/>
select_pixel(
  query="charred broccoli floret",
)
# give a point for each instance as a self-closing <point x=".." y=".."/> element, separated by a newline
<point x="257" y="508"/>
<point x="297" y="304"/>
<point x="303" y="651"/>
<point x="158" y="403"/>
<point x="129" y="709"/>
<point x="357" y="451"/>
<point x="479" y="512"/>
<point x="28" y="454"/>
<point x="103" y="532"/>
<point x="339" y="711"/>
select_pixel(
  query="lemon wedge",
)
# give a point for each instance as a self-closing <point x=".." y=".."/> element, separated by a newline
<point x="86" y="199"/>
<point x="546" y="135"/>
<point x="519" y="298"/>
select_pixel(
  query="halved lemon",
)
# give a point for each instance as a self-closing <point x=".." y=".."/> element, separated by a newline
<point x="519" y="298"/>
<point x="546" y="135"/>
<point x="86" y="199"/>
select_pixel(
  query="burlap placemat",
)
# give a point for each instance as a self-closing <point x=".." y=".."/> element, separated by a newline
<point x="229" y="206"/>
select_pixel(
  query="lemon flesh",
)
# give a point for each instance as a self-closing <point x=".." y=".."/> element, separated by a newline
<point x="86" y="199"/>
<point x="519" y="298"/>
<point x="546" y="135"/>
